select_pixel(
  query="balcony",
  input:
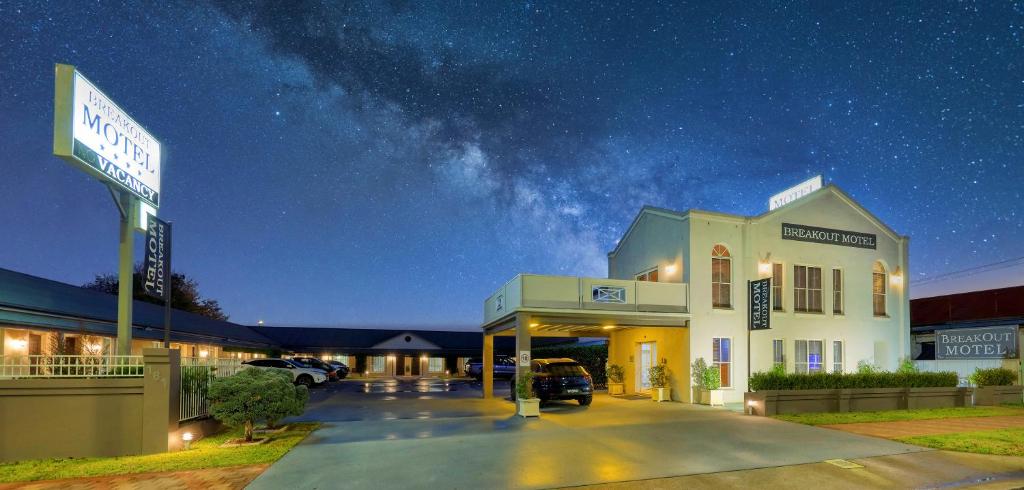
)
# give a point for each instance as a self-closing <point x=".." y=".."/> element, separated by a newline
<point x="564" y="294"/>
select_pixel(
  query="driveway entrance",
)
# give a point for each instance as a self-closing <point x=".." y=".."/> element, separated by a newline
<point x="453" y="438"/>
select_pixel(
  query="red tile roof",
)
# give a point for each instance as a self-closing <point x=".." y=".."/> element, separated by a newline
<point x="975" y="305"/>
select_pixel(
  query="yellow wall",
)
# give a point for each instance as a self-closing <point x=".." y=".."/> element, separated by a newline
<point x="672" y="345"/>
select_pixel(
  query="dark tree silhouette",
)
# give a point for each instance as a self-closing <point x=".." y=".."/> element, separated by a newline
<point x="184" y="293"/>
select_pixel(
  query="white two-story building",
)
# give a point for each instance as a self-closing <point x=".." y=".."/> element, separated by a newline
<point x="677" y="290"/>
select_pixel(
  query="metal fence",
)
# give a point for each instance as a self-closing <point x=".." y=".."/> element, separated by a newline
<point x="196" y="375"/>
<point x="88" y="366"/>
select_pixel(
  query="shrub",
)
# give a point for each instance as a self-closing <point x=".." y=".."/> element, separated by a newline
<point x="658" y="375"/>
<point x="616" y="373"/>
<point x="993" y="377"/>
<point x="524" y="386"/>
<point x="830" y="381"/>
<point x="712" y="378"/>
<point x="697" y="370"/>
<point x="253" y="395"/>
<point x="593" y="357"/>
<point x="865" y="367"/>
<point x="779" y="369"/>
<point x="288" y="400"/>
<point x="907" y="366"/>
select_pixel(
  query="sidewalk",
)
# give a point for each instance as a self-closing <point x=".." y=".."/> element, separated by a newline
<point x="911" y="428"/>
<point x="232" y="477"/>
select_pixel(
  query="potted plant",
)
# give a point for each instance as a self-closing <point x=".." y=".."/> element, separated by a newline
<point x="526" y="404"/>
<point x="615" y="376"/>
<point x="659" y="382"/>
<point x="706" y="383"/>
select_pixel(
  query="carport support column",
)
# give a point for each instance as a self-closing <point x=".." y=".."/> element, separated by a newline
<point x="488" y="365"/>
<point x="522" y="343"/>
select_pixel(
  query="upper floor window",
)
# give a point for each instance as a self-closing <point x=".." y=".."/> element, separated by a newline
<point x="651" y="275"/>
<point x="807" y="288"/>
<point x="837" y="291"/>
<point x="878" y="289"/>
<point x="777" y="286"/>
<point x="721" y="277"/>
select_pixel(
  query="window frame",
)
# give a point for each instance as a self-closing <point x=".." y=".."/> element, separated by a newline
<point x="806" y="362"/>
<point x="430" y="364"/>
<point x="716" y="283"/>
<point x="840" y="365"/>
<point x="645" y="276"/>
<point x="718" y="364"/>
<point x="778" y="286"/>
<point x="885" y="290"/>
<point x="807" y="290"/>
<point x="839" y="294"/>
<point x="779" y="352"/>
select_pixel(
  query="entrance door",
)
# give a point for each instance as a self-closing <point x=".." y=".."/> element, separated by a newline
<point x="647" y="355"/>
<point x="408" y="365"/>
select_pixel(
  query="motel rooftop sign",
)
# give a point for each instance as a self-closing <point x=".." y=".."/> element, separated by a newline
<point x="91" y="131"/>
<point x="977" y="343"/>
<point x="796" y="192"/>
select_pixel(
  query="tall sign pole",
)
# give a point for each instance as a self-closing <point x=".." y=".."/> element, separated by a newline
<point x="93" y="133"/>
<point x="759" y="317"/>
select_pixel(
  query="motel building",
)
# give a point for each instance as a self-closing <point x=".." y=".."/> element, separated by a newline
<point x="677" y="290"/>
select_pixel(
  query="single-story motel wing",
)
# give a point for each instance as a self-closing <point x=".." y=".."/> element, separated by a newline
<point x="677" y="286"/>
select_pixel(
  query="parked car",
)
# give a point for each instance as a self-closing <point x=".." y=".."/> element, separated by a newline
<point x="560" y="379"/>
<point x="313" y="362"/>
<point x="504" y="368"/>
<point x="301" y="375"/>
<point x="340" y="368"/>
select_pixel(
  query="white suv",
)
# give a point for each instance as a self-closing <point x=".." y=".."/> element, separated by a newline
<point x="300" y="375"/>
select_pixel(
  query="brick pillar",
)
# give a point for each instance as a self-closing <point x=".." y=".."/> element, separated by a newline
<point x="160" y="398"/>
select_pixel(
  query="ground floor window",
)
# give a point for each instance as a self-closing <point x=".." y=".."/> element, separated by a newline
<point x="722" y="358"/>
<point x="435" y="364"/>
<point x="377" y="364"/>
<point x="837" y="356"/>
<point x="778" y="353"/>
<point x="808" y="356"/>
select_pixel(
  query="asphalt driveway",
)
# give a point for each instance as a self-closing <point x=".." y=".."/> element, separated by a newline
<point x="438" y="434"/>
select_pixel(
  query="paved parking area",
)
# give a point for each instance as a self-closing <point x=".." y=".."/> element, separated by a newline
<point x="437" y="434"/>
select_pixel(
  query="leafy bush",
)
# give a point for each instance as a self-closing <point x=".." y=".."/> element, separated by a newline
<point x="993" y="377"/>
<point x="616" y="374"/>
<point x="658" y="375"/>
<point x="697" y="370"/>
<point x="524" y="386"/>
<point x="907" y="366"/>
<point x="865" y="367"/>
<point x="593" y="357"/>
<point x="779" y="369"/>
<point x="830" y="381"/>
<point x="712" y="378"/>
<point x="253" y="395"/>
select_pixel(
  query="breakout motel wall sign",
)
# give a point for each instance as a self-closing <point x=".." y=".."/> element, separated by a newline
<point x="157" y="272"/>
<point x="761" y="304"/>
<point x="91" y="131"/>
<point x="977" y="343"/>
<point x="829" y="236"/>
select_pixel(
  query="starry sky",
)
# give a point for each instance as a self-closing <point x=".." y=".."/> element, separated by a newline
<point x="334" y="163"/>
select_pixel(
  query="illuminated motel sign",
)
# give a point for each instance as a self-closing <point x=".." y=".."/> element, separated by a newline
<point x="94" y="133"/>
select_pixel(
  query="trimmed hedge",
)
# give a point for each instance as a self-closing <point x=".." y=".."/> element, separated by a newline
<point x="592" y="357"/>
<point x="993" y="377"/>
<point x="833" y="381"/>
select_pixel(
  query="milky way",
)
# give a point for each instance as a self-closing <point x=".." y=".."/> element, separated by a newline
<point x="342" y="164"/>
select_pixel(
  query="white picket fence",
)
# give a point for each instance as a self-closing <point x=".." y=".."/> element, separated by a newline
<point x="87" y="366"/>
<point x="196" y="375"/>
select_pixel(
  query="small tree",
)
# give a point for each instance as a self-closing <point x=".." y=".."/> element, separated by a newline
<point x="524" y="386"/>
<point x="249" y="396"/>
<point x="658" y="375"/>
<point x="616" y="373"/>
<point x="697" y="370"/>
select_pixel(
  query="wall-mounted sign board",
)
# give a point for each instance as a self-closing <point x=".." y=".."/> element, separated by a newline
<point x="760" y="317"/>
<point x="94" y="133"/>
<point x="814" y="234"/>
<point x="796" y="192"/>
<point x="977" y="343"/>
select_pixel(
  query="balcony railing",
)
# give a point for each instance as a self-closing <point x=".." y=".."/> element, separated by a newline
<point x="88" y="366"/>
<point x="528" y="291"/>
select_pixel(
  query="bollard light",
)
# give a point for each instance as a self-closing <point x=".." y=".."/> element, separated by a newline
<point x="187" y="439"/>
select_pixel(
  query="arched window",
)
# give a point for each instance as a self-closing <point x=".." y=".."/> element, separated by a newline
<point x="878" y="289"/>
<point x="721" y="277"/>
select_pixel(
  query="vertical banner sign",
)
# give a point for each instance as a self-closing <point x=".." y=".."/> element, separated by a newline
<point x="157" y="273"/>
<point x="760" y="304"/>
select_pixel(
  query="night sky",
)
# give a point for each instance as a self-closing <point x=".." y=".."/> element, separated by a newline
<point x="338" y="164"/>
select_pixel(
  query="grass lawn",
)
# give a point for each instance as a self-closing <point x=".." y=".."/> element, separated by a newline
<point x="896" y="415"/>
<point x="204" y="454"/>
<point x="1007" y="442"/>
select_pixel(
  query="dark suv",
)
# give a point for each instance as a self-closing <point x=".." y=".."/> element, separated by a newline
<point x="560" y="379"/>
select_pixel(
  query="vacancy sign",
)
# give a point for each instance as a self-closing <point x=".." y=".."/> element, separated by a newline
<point x="796" y="192"/>
<point x="91" y="131"/>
